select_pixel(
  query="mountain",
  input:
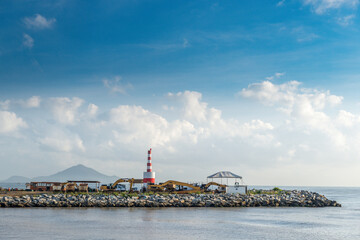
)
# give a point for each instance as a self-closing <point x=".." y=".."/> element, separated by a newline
<point x="78" y="172"/>
<point x="17" y="179"/>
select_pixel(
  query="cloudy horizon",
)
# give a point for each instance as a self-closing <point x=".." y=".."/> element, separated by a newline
<point x="269" y="93"/>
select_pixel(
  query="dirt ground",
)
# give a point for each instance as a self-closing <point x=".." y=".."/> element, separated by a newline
<point x="20" y="193"/>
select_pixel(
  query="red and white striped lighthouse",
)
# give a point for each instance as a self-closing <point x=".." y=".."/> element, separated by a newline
<point x="149" y="175"/>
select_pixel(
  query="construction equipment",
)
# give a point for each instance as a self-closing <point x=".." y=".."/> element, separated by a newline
<point x="115" y="187"/>
<point x="70" y="187"/>
<point x="174" y="187"/>
<point x="221" y="187"/>
<point x="83" y="187"/>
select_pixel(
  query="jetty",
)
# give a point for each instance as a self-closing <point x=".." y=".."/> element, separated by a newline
<point x="292" y="198"/>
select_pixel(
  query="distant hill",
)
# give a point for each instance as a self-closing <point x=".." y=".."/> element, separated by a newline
<point x="17" y="179"/>
<point x="78" y="172"/>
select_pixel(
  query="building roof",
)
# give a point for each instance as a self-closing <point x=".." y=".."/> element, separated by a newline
<point x="45" y="182"/>
<point x="224" y="174"/>
<point x="72" y="181"/>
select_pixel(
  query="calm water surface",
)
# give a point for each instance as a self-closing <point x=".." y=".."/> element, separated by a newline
<point x="189" y="223"/>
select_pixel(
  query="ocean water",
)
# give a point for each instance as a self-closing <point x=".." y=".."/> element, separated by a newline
<point x="190" y="223"/>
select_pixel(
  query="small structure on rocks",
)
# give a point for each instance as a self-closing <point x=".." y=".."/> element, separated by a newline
<point x="43" y="186"/>
<point x="238" y="184"/>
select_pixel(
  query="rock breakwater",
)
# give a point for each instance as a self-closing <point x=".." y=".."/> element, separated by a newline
<point x="285" y="199"/>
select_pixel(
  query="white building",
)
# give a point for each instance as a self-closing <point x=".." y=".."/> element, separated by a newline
<point x="236" y="184"/>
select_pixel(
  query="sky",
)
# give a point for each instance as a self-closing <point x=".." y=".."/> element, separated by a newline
<point x="267" y="89"/>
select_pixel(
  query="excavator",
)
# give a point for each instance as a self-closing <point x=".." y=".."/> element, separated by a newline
<point x="221" y="187"/>
<point x="115" y="187"/>
<point x="173" y="187"/>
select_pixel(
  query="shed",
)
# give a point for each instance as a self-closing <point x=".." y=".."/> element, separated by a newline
<point x="224" y="174"/>
<point x="237" y="181"/>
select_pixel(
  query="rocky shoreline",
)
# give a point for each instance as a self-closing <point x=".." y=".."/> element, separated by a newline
<point x="284" y="199"/>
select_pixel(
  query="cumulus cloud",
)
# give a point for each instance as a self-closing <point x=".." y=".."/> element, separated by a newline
<point x="289" y="94"/>
<point x="33" y="102"/>
<point x="193" y="108"/>
<point x="28" y="41"/>
<point x="9" y="122"/>
<point x="65" y="110"/>
<point x="193" y="134"/>
<point x="92" y="109"/>
<point x="322" y="6"/>
<point x="347" y="119"/>
<point x="4" y="105"/>
<point x="135" y="124"/>
<point x="210" y="123"/>
<point x="39" y="22"/>
<point x="304" y="106"/>
<point x="197" y="122"/>
<point x="116" y="86"/>
<point x="63" y="142"/>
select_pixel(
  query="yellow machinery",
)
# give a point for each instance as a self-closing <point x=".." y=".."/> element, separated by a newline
<point x="69" y="187"/>
<point x="83" y="187"/>
<point x="174" y="186"/>
<point x="221" y="187"/>
<point x="168" y="186"/>
<point x="112" y="187"/>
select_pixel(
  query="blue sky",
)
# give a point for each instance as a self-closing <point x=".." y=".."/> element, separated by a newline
<point x="269" y="67"/>
<point x="158" y="45"/>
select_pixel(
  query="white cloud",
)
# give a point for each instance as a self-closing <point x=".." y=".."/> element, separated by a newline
<point x="197" y="122"/>
<point x="210" y="123"/>
<point x="304" y="106"/>
<point x="28" y="41"/>
<point x="346" y="20"/>
<point x="63" y="142"/>
<point x="4" y="105"/>
<point x="276" y="75"/>
<point x="9" y="122"/>
<point x="115" y="85"/>
<point x="269" y="93"/>
<point x="193" y="108"/>
<point x="322" y="6"/>
<point x="92" y="109"/>
<point x="303" y="35"/>
<point x="279" y="74"/>
<point x="280" y="3"/>
<point x="186" y="43"/>
<point x="39" y="22"/>
<point x="33" y="102"/>
<point x="192" y="135"/>
<point x="65" y="110"/>
<point x="347" y="119"/>
<point x="135" y="124"/>
<point x="166" y="46"/>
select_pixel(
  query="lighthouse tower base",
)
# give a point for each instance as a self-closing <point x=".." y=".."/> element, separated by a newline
<point x="149" y="177"/>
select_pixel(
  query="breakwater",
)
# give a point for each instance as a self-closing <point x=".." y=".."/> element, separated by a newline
<point x="285" y="199"/>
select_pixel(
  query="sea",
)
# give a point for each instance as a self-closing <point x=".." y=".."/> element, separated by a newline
<point x="191" y="223"/>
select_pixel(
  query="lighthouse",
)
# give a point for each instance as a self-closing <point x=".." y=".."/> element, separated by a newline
<point x="149" y="175"/>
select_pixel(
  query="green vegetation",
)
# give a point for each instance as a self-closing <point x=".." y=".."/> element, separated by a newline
<point x="273" y="191"/>
<point x="148" y="193"/>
